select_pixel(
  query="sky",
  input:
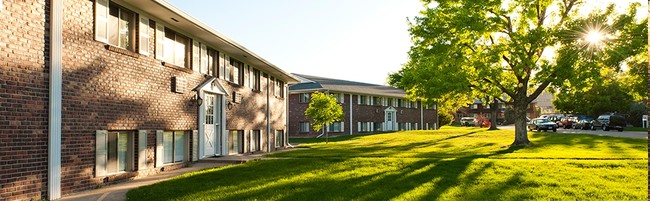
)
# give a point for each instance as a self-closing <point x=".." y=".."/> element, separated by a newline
<point x="357" y="40"/>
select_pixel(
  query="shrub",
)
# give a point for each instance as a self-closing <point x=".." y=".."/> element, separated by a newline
<point x="445" y="118"/>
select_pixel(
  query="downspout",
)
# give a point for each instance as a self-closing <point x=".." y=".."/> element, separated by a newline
<point x="268" y="113"/>
<point x="421" y="115"/>
<point x="350" y="114"/>
<point x="56" y="84"/>
<point x="437" y="119"/>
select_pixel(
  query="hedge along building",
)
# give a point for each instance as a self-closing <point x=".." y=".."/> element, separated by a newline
<point x="367" y="108"/>
<point x="94" y="92"/>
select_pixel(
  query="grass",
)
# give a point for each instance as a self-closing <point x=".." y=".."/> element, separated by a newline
<point x="450" y="164"/>
<point x="636" y="129"/>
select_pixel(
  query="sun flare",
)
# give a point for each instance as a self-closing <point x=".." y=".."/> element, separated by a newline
<point x="594" y="37"/>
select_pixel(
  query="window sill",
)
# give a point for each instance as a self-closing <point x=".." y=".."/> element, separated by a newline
<point x="256" y="91"/>
<point x="170" y="65"/>
<point x="121" y="51"/>
<point x="233" y="84"/>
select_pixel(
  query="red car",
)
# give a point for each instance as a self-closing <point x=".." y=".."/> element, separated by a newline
<point x="567" y="122"/>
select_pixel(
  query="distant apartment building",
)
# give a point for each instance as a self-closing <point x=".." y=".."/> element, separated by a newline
<point x="478" y="108"/>
<point x="367" y="108"/>
<point x="101" y="91"/>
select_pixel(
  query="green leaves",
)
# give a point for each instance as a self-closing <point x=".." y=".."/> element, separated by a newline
<point x="323" y="109"/>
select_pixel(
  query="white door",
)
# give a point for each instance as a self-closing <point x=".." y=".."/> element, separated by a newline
<point x="389" y="120"/>
<point x="210" y="127"/>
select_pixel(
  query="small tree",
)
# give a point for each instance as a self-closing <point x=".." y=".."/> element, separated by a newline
<point x="324" y="110"/>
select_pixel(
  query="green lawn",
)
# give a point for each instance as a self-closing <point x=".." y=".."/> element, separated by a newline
<point x="450" y="164"/>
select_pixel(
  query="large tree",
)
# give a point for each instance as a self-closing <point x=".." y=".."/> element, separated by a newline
<point x="508" y="50"/>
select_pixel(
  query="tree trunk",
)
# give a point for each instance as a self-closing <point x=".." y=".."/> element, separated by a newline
<point x="493" y="121"/>
<point x="327" y="135"/>
<point x="521" y="130"/>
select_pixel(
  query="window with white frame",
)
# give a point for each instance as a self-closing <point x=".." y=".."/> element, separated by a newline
<point x="335" y="127"/>
<point x="400" y="102"/>
<point x="475" y="106"/>
<point x="339" y="97"/>
<point x="121" y="27"/>
<point x="174" y="146"/>
<point x="487" y="106"/>
<point x="211" y="62"/>
<point x="377" y="100"/>
<point x="279" y="138"/>
<point x="176" y="48"/>
<point x="236" y="71"/>
<point x="378" y="126"/>
<point x="256" y="80"/>
<point x="235" y="141"/>
<point x="304" y="98"/>
<point x="279" y="88"/>
<point x="256" y="139"/>
<point x="304" y="127"/>
<point x="362" y="100"/>
<point x="115" y="149"/>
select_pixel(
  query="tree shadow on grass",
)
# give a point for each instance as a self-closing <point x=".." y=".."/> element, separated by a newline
<point x="325" y="179"/>
<point x="618" y="146"/>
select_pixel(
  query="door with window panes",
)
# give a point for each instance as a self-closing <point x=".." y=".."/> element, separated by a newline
<point x="212" y="127"/>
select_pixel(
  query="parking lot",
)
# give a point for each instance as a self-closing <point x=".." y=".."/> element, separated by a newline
<point x="628" y="134"/>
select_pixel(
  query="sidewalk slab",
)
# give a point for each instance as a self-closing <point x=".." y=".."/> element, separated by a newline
<point x="117" y="192"/>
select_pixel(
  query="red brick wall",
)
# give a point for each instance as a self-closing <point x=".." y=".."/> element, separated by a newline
<point x="23" y="100"/>
<point x="102" y="90"/>
<point x="106" y="90"/>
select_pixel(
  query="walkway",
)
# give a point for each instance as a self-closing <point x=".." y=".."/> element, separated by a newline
<point x="117" y="192"/>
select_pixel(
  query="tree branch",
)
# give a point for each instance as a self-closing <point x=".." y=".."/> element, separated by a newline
<point x="540" y="89"/>
<point x="510" y="93"/>
<point x="568" y="6"/>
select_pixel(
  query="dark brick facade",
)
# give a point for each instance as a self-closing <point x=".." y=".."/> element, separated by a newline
<point x="360" y="113"/>
<point x="24" y="81"/>
<point x="103" y="89"/>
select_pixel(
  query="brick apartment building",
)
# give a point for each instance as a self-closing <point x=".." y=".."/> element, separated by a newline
<point x="367" y="108"/>
<point x="96" y="91"/>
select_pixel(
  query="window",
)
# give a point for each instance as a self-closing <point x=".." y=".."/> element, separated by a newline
<point x="378" y="126"/>
<point x="362" y="99"/>
<point x="389" y="102"/>
<point x="173" y="146"/>
<point x="364" y="126"/>
<point x="474" y="106"/>
<point x="121" y="27"/>
<point x="487" y="106"/>
<point x="256" y="80"/>
<point x="304" y="98"/>
<point x="114" y="152"/>
<point x="376" y="100"/>
<point x="176" y="48"/>
<point x="304" y="127"/>
<point x="118" y="152"/>
<point x="255" y="140"/>
<point x="235" y="141"/>
<point x="209" y="63"/>
<point x="279" y="88"/>
<point x="336" y="127"/>
<point x="339" y="97"/>
<point x="236" y="72"/>
<point x="279" y="138"/>
<point x="400" y="103"/>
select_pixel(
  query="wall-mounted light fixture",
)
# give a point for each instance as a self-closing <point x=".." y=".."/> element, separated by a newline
<point x="197" y="99"/>
<point x="229" y="105"/>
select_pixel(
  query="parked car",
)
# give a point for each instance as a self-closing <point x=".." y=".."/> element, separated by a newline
<point x="468" y="121"/>
<point x="584" y="123"/>
<point x="542" y="124"/>
<point x="609" y="121"/>
<point x="567" y="122"/>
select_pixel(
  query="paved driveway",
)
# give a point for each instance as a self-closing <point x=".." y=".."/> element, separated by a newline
<point x="628" y="134"/>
